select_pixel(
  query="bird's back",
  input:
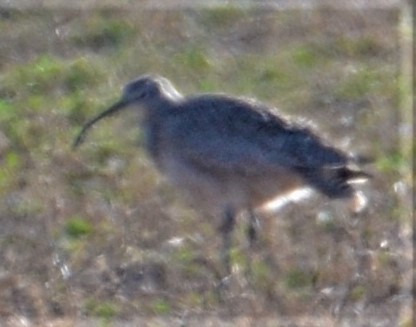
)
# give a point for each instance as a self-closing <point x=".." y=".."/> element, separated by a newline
<point x="225" y="132"/>
<point x="245" y="150"/>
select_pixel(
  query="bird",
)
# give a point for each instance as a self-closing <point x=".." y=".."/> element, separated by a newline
<point x="233" y="154"/>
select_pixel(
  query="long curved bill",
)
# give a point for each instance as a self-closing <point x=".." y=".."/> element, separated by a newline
<point x="113" y="109"/>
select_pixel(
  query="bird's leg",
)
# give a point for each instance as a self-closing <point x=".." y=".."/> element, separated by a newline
<point x="252" y="227"/>
<point x="251" y="232"/>
<point x="226" y="228"/>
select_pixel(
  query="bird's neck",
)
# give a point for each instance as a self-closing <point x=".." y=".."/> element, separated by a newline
<point x="161" y="106"/>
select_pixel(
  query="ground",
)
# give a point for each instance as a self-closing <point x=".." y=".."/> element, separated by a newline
<point x="98" y="237"/>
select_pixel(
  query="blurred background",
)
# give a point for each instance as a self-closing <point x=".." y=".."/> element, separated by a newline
<point x="98" y="237"/>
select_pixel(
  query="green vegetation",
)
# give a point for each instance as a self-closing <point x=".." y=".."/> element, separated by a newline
<point x="296" y="279"/>
<point x="6" y="111"/>
<point x="104" y="310"/>
<point x="100" y="32"/>
<point x="392" y="163"/>
<point x="222" y="16"/>
<point x="195" y="59"/>
<point x="262" y="275"/>
<point x="357" y="293"/>
<point x="77" y="227"/>
<point x="360" y="84"/>
<point x="74" y="223"/>
<point x="184" y="255"/>
<point x="50" y="77"/>
<point x="306" y="56"/>
<point x="161" y="306"/>
<point x="364" y="46"/>
<point x="10" y="166"/>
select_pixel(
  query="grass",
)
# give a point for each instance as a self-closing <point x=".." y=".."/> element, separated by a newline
<point x="222" y="16"/>
<point x="298" y="279"/>
<point x="194" y="59"/>
<point x="11" y="164"/>
<point x="103" y="310"/>
<point x="105" y="210"/>
<point x="100" y="33"/>
<point x="77" y="227"/>
<point x="357" y="293"/>
<point x="361" y="83"/>
<point x="161" y="306"/>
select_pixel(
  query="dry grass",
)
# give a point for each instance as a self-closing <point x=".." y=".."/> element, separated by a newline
<point x="98" y="235"/>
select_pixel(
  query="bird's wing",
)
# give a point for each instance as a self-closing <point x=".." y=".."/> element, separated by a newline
<point x="231" y="134"/>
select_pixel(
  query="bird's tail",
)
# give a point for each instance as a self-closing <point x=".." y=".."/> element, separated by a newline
<point x="352" y="176"/>
<point x="336" y="182"/>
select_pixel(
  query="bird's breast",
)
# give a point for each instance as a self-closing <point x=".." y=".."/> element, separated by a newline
<point x="152" y="139"/>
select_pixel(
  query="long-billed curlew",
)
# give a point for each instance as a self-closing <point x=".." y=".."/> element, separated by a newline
<point x="230" y="154"/>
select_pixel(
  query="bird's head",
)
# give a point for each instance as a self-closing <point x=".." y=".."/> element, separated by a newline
<point x="142" y="89"/>
<point x="149" y="88"/>
<point x="147" y="91"/>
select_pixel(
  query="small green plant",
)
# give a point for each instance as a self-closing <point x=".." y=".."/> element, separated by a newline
<point x="194" y="58"/>
<point x="392" y="162"/>
<point x="296" y="279"/>
<point x="6" y="111"/>
<point x="357" y="293"/>
<point x="194" y="299"/>
<point x="38" y="76"/>
<point x="184" y="255"/>
<point x="77" y="227"/>
<point x="262" y="275"/>
<point x="80" y="74"/>
<point x="305" y="56"/>
<point x="237" y="257"/>
<point x="10" y="166"/>
<point x="222" y="16"/>
<point x="105" y="310"/>
<point x="359" y="84"/>
<point x="101" y="33"/>
<point x="161" y="306"/>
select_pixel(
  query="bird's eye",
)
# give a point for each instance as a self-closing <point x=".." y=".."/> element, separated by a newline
<point x="144" y="94"/>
